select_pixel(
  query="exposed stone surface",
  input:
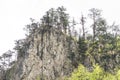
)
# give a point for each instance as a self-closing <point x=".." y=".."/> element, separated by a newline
<point x="48" y="56"/>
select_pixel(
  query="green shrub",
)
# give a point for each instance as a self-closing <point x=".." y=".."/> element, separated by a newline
<point x="97" y="74"/>
<point x="38" y="77"/>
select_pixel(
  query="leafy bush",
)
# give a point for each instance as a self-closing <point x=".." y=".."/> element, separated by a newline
<point x="97" y="74"/>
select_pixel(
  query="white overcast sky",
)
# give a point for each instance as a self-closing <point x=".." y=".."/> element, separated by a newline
<point x="15" y="14"/>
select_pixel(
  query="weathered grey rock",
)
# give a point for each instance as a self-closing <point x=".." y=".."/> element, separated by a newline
<point x="50" y="55"/>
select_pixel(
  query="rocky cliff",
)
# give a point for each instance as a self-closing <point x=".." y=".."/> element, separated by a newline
<point x="48" y="54"/>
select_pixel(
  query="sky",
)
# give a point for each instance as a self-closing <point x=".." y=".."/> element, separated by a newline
<point x="15" y="14"/>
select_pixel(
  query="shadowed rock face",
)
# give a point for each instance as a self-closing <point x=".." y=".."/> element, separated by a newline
<point x="49" y="55"/>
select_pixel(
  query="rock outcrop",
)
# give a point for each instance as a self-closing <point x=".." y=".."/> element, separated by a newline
<point x="48" y="54"/>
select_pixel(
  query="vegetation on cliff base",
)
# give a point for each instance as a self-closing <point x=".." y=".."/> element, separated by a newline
<point x="99" y="51"/>
<point x="98" y="73"/>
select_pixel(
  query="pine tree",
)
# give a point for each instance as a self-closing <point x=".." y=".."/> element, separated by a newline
<point x="94" y="15"/>
<point x="82" y="21"/>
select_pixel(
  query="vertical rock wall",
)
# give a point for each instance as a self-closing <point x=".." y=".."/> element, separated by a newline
<point x="50" y="55"/>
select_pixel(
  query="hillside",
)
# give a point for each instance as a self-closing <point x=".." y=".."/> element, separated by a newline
<point x="54" y="50"/>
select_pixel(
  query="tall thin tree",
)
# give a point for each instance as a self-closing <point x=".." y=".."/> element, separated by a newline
<point x="94" y="15"/>
<point x="82" y="21"/>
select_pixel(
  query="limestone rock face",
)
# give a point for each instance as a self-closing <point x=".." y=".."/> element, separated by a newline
<point x="49" y="55"/>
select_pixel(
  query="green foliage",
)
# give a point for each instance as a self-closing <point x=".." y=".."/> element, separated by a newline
<point x="80" y="73"/>
<point x="118" y="43"/>
<point x="38" y="78"/>
<point x="82" y="45"/>
<point x="97" y="74"/>
<point x="9" y="73"/>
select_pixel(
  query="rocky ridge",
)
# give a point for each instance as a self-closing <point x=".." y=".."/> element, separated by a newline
<point x="48" y="54"/>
